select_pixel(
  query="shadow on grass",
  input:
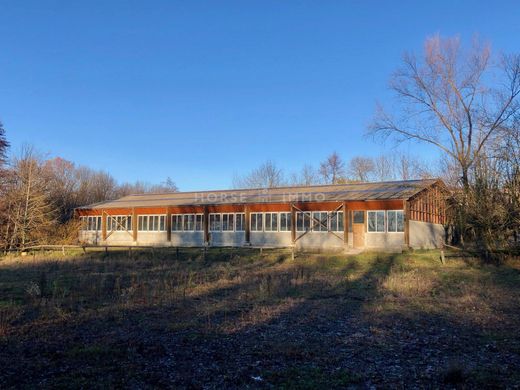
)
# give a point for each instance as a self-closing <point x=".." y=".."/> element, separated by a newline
<point x="256" y="322"/>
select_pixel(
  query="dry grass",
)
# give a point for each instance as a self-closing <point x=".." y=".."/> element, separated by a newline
<point x="331" y="320"/>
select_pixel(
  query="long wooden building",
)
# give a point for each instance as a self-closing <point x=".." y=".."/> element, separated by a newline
<point x="384" y="215"/>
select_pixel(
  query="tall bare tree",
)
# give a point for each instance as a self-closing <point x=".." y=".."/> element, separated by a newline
<point x="360" y="168"/>
<point x="30" y="214"/>
<point x="267" y="175"/>
<point x="4" y="145"/>
<point x="452" y="98"/>
<point x="332" y="170"/>
<point x="384" y="167"/>
<point x="306" y="177"/>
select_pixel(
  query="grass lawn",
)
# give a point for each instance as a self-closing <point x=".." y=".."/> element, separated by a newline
<point x="241" y="318"/>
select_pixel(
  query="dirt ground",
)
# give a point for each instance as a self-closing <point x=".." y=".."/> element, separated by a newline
<point x="245" y="319"/>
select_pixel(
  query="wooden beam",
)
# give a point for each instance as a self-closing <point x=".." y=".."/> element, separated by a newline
<point x="168" y="224"/>
<point x="134" y="224"/>
<point x="247" y="222"/>
<point x="103" y="225"/>
<point x="205" y="222"/>
<point x="345" y="223"/>
<point x="293" y="224"/>
<point x="406" y="214"/>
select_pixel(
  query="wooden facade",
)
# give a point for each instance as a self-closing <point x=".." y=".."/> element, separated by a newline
<point x="426" y="204"/>
<point x="429" y="205"/>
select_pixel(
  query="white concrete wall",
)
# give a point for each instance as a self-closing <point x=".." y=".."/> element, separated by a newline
<point x="320" y="240"/>
<point x="90" y="237"/>
<point x="392" y="241"/>
<point x="425" y="235"/>
<point x="422" y="235"/>
<point x="226" y="238"/>
<point x="274" y="239"/>
<point x="187" y="239"/>
<point x="151" y="238"/>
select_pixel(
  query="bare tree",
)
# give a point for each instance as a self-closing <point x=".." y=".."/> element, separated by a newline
<point x="63" y="184"/>
<point x="408" y="167"/>
<point x="30" y="215"/>
<point x="360" y="168"/>
<point x="384" y="168"/>
<point x="452" y="98"/>
<point x="306" y="177"/>
<point x="332" y="170"/>
<point x="141" y="187"/>
<point x="4" y="145"/>
<point x="267" y="175"/>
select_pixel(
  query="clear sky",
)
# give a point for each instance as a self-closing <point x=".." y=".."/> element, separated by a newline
<point x="200" y="91"/>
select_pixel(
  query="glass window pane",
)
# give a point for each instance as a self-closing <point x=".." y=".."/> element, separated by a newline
<point x="239" y="223"/>
<point x="392" y="226"/>
<point x="371" y="221"/>
<point x="268" y="222"/>
<point x="400" y="221"/>
<point x="339" y="224"/>
<point x="380" y="221"/>
<point x="336" y="221"/>
<point x="199" y="222"/>
<point x="274" y="222"/>
<point x="215" y="224"/>
<point x="359" y="217"/>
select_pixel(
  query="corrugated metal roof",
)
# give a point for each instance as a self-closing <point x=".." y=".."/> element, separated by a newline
<point x="321" y="193"/>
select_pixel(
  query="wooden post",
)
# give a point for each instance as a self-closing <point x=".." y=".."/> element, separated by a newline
<point x="247" y="227"/>
<point x="168" y="224"/>
<point x="406" y="215"/>
<point x="345" y="224"/>
<point x="103" y="225"/>
<point x="293" y="224"/>
<point x="206" y="225"/>
<point x="134" y="224"/>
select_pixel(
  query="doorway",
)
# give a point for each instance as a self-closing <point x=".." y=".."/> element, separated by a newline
<point x="358" y="229"/>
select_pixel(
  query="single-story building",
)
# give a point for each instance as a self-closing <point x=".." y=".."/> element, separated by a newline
<point x="384" y="215"/>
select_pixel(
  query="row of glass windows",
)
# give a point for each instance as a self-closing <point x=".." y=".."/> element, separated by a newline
<point x="393" y="223"/>
<point x="91" y="223"/>
<point x="318" y="221"/>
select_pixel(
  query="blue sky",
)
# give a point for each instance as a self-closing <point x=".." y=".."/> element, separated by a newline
<point x="200" y="91"/>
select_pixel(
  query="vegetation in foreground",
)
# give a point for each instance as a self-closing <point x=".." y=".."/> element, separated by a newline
<point x="241" y="318"/>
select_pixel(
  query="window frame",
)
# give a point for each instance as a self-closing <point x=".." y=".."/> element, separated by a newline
<point x="227" y="216"/>
<point x="242" y="218"/>
<point x="340" y="217"/>
<point x="396" y="224"/>
<point x="304" y="213"/>
<point x="321" y="228"/>
<point x="376" y="212"/>
<point x="199" y="223"/>
<point x="176" y="218"/>
<point x="150" y="222"/>
<point x="210" y="227"/>
<point x="188" y="226"/>
<point x="288" y="222"/>
<point x="114" y="219"/>
<point x="271" y="219"/>
<point x="254" y="216"/>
